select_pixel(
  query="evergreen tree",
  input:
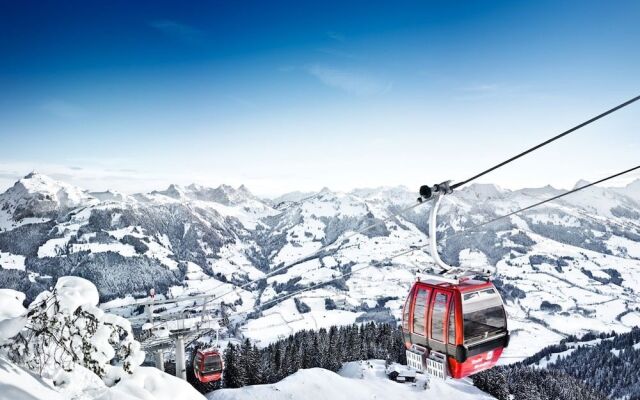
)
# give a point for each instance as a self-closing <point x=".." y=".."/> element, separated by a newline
<point x="494" y="382"/>
<point x="233" y="372"/>
<point x="248" y="363"/>
<point x="258" y="365"/>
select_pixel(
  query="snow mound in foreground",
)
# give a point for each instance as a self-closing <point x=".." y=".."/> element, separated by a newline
<point x="78" y="351"/>
<point x="18" y="384"/>
<point x="355" y="381"/>
<point x="148" y="383"/>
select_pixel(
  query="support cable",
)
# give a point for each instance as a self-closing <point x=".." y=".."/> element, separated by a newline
<point x="546" y="142"/>
<point x="579" y="188"/>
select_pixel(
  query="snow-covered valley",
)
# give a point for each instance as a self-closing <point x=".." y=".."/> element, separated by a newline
<point x="570" y="267"/>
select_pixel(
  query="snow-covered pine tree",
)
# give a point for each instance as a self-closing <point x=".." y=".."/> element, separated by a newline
<point x="493" y="381"/>
<point x="276" y="368"/>
<point x="249" y="363"/>
<point x="258" y="365"/>
<point x="334" y="360"/>
<point x="323" y="348"/>
<point x="353" y="340"/>
<point x="314" y="358"/>
<point x="233" y="372"/>
<point x="289" y="358"/>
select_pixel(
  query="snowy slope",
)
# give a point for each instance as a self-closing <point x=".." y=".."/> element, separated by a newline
<point x="18" y="384"/>
<point x="565" y="268"/>
<point x="146" y="383"/>
<point x="355" y="381"/>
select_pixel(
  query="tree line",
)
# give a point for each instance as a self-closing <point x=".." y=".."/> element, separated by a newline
<point x="593" y="367"/>
<point x="246" y="364"/>
<point x="519" y="382"/>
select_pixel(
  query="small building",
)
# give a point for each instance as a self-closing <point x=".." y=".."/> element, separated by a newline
<point x="401" y="374"/>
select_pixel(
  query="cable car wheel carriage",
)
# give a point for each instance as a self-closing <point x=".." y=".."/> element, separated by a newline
<point x="454" y="324"/>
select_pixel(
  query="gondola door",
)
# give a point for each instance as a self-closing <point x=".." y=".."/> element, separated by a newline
<point x="418" y="315"/>
<point x="438" y="320"/>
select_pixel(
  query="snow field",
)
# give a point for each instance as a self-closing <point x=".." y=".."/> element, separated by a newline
<point x="12" y="261"/>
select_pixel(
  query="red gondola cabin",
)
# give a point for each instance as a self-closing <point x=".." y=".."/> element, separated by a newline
<point x="460" y="328"/>
<point x="208" y="365"/>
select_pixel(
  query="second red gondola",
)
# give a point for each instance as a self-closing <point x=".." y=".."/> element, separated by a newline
<point x="208" y="365"/>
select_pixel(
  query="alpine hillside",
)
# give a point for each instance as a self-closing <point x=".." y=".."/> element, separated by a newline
<point x="567" y="268"/>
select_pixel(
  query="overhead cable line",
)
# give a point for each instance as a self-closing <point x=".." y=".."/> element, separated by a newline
<point x="546" y="142"/>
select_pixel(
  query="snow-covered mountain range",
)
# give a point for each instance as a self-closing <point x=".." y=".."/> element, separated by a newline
<point x="565" y="268"/>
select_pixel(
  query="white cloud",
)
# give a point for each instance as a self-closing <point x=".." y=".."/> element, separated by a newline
<point x="351" y="82"/>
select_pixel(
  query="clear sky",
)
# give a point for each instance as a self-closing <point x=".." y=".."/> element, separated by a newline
<point x="134" y="95"/>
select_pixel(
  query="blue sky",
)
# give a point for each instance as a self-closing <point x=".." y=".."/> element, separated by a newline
<point x="297" y="95"/>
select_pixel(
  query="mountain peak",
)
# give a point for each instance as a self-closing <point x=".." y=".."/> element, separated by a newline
<point x="38" y="195"/>
<point x="483" y="191"/>
<point x="31" y="175"/>
<point x="36" y="182"/>
<point x="632" y="190"/>
<point x="37" y="176"/>
<point x="174" y="191"/>
<point x="581" y="183"/>
<point x="223" y="194"/>
<point x="109" y="195"/>
<point x="634" y="184"/>
<point x="400" y="192"/>
<point x="232" y="195"/>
